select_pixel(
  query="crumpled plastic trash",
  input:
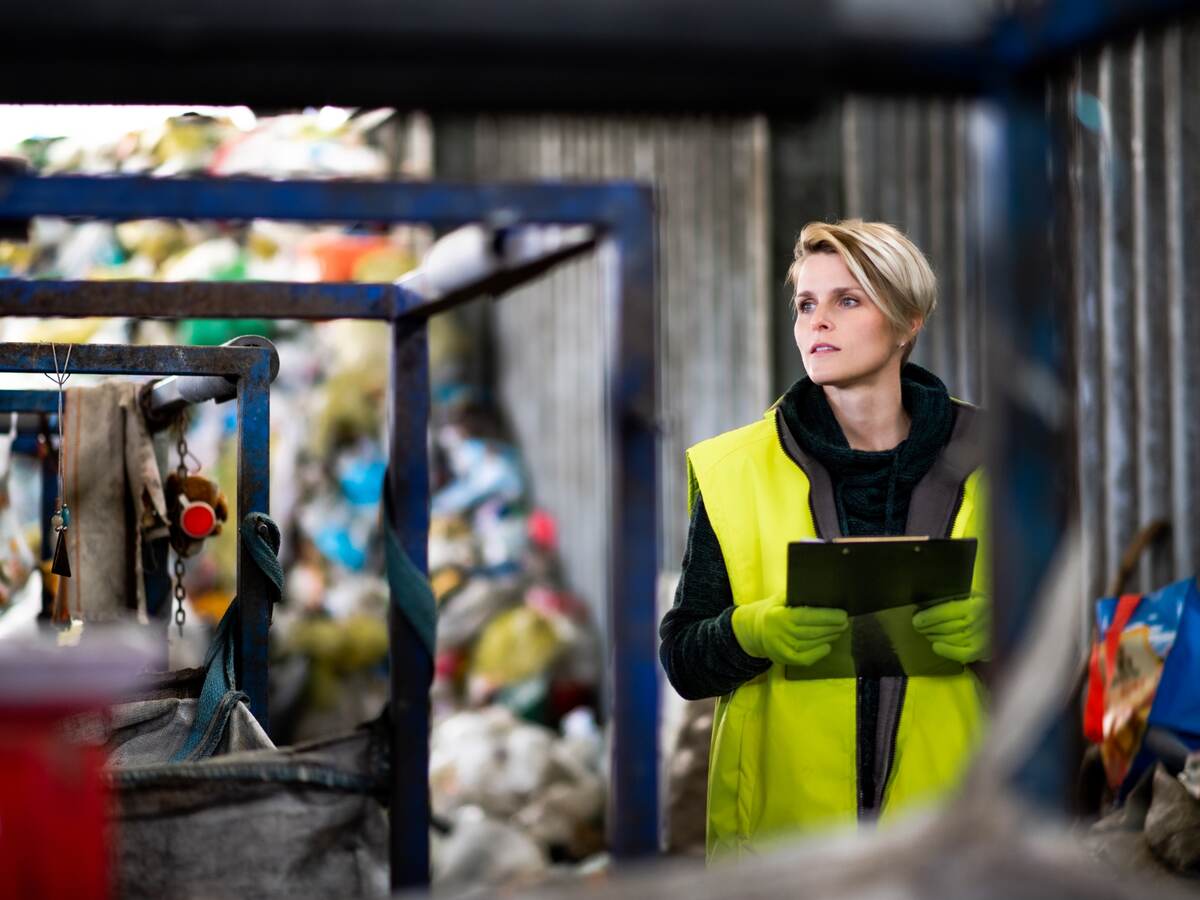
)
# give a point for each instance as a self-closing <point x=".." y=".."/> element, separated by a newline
<point x="482" y="470"/>
<point x="514" y="646"/>
<point x="487" y="758"/>
<point x="480" y="849"/>
<point x="568" y="815"/>
<point x="463" y="615"/>
<point x="451" y="543"/>
<point x="552" y="788"/>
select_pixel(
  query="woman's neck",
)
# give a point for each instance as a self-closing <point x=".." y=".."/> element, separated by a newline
<point x="872" y="415"/>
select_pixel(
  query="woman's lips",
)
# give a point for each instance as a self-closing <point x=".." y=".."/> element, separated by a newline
<point x="824" y="348"/>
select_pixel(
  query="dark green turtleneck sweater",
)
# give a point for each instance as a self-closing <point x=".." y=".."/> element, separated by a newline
<point x="699" y="652"/>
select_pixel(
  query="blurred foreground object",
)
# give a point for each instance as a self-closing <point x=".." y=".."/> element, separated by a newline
<point x="55" y="838"/>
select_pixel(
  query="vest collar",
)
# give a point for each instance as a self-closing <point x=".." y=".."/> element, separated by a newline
<point x="936" y="498"/>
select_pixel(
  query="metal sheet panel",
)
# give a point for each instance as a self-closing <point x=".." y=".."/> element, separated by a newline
<point x="1131" y="171"/>
<point x="908" y="163"/>
<point x="1134" y="189"/>
<point x="711" y="180"/>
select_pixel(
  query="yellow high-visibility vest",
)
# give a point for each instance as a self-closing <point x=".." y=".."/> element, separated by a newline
<point x="784" y="754"/>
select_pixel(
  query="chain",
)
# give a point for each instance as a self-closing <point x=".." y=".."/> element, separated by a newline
<point x="181" y="471"/>
<point x="180" y="594"/>
<point x="181" y="447"/>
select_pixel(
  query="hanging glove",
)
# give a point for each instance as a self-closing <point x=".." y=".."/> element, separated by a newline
<point x="789" y="635"/>
<point x="959" y="630"/>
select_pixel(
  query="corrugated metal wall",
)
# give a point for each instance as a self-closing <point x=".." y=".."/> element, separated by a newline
<point x="711" y="176"/>
<point x="1133" y="144"/>
<point x="909" y="163"/>
<point x="1128" y="240"/>
<point x="1131" y="182"/>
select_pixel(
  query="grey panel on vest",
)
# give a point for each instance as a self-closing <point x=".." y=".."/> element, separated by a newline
<point x="891" y="703"/>
<point x="935" y="497"/>
<point x="820" y="485"/>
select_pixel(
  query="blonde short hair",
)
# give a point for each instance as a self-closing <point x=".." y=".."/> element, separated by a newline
<point x="891" y="269"/>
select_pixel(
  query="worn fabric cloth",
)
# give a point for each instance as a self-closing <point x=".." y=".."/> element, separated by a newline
<point x="115" y="492"/>
<point x="149" y="732"/>
<point x="303" y="821"/>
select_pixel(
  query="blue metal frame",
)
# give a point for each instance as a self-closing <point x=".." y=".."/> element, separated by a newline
<point x="251" y="367"/>
<point x="622" y="216"/>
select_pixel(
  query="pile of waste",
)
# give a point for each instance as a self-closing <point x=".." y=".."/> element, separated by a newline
<point x="517" y="772"/>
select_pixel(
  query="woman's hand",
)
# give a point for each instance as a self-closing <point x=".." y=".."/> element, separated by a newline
<point x="789" y="635"/>
<point x="959" y="630"/>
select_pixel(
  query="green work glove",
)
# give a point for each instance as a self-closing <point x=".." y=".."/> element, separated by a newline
<point x="958" y="629"/>
<point x="790" y="635"/>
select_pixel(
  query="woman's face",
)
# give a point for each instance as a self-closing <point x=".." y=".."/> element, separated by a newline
<point x="842" y="336"/>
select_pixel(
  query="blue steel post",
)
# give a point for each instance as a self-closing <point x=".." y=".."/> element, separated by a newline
<point x="253" y="495"/>
<point x="411" y="663"/>
<point x="1029" y="382"/>
<point x="633" y="535"/>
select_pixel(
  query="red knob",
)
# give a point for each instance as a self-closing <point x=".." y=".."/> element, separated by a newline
<point x="198" y="519"/>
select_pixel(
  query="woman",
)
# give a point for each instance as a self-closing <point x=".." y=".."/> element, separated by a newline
<point x="867" y="444"/>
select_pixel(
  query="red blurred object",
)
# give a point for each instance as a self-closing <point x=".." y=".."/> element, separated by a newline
<point x="198" y="519"/>
<point x="56" y="836"/>
<point x="543" y="530"/>
<point x="448" y="664"/>
<point x="566" y="695"/>
<point x="54" y="831"/>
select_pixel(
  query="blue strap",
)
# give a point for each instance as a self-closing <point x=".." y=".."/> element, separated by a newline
<point x="409" y="588"/>
<point x="219" y="695"/>
<point x="260" y="537"/>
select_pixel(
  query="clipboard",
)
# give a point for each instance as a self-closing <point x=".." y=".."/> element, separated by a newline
<point x="880" y="582"/>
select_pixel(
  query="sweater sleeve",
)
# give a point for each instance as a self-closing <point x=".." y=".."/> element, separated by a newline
<point x="699" y="651"/>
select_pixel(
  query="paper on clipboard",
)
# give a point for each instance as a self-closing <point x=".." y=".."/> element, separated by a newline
<point x="880" y="582"/>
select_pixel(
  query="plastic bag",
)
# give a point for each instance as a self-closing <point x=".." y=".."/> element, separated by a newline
<point x="1136" y="638"/>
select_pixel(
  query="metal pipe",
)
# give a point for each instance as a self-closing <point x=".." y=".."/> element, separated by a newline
<point x="407" y="490"/>
<point x="161" y="402"/>
<point x="165" y="398"/>
<point x="633" y="543"/>
<point x="487" y="260"/>
<point x="473" y="254"/>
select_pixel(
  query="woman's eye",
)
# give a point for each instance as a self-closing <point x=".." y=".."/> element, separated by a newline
<point x="804" y="306"/>
<point x="849" y="301"/>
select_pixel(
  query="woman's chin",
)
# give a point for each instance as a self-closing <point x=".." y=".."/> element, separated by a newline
<point x="823" y="372"/>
